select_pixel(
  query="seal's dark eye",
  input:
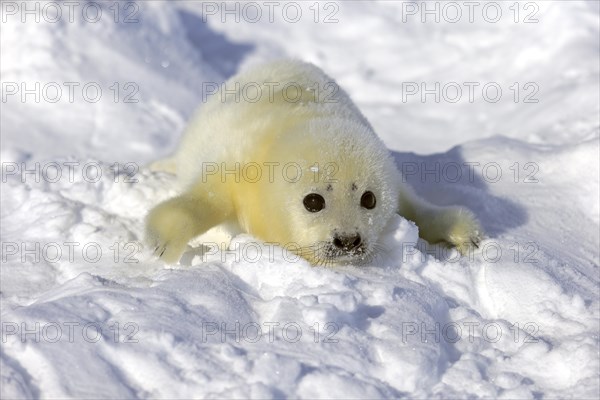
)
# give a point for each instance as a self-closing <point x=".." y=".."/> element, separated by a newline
<point x="368" y="200"/>
<point x="314" y="202"/>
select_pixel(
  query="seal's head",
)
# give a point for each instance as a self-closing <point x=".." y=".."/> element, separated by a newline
<point x="340" y="189"/>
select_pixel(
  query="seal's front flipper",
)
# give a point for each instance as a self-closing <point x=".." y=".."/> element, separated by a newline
<point x="174" y="222"/>
<point x="456" y="226"/>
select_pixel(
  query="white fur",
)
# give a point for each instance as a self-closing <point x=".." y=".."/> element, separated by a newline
<point x="324" y="128"/>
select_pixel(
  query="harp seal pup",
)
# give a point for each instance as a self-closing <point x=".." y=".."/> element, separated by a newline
<point x="284" y="152"/>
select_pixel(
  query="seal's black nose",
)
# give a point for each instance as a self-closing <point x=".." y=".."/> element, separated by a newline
<point x="347" y="243"/>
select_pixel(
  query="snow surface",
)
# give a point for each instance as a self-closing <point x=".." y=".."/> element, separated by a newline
<point x="517" y="319"/>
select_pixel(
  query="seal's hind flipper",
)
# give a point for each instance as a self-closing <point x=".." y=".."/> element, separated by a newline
<point x="457" y="226"/>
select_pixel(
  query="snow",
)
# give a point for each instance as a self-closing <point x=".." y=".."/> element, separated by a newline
<point x="87" y="312"/>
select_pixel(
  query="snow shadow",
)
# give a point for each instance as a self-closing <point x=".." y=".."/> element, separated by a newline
<point x="215" y="48"/>
<point x="448" y="179"/>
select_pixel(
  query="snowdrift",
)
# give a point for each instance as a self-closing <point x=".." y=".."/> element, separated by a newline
<point x="87" y="312"/>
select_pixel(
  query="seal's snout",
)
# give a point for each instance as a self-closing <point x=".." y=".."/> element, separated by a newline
<point x="347" y="243"/>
